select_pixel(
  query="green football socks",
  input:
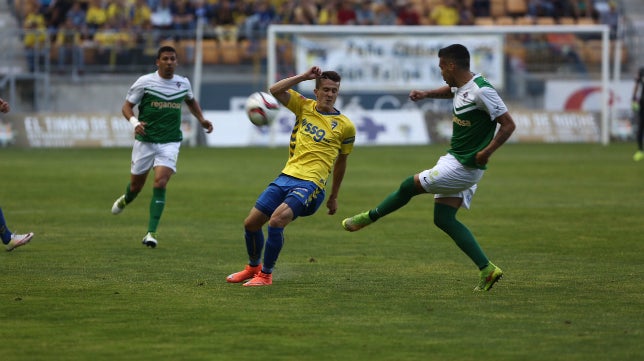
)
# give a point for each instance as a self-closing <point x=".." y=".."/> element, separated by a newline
<point x="396" y="199"/>
<point x="129" y="195"/>
<point x="445" y="219"/>
<point x="156" y="208"/>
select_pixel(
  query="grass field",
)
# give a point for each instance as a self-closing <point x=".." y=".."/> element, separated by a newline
<point x="563" y="221"/>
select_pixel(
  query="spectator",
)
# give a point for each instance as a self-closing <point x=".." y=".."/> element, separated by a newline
<point x="328" y="14"/>
<point x="384" y="14"/>
<point x="224" y="21"/>
<point x="610" y="18"/>
<point x="538" y="8"/>
<point x="346" y="15"/>
<point x="407" y="13"/>
<point x="117" y="9"/>
<point x="96" y="16"/>
<point x="114" y="42"/>
<point x="583" y="9"/>
<point x="77" y="14"/>
<point x="305" y="13"/>
<point x="445" y="14"/>
<point x="255" y="26"/>
<point x="56" y="14"/>
<point x="35" y="37"/>
<point x="365" y="14"/>
<point x="69" y="44"/>
<point x="466" y="14"/>
<point x="183" y="18"/>
<point x="141" y="14"/>
<point x="481" y="8"/>
<point x="161" y="17"/>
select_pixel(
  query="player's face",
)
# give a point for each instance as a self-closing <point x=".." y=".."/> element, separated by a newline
<point x="166" y="63"/>
<point x="447" y="71"/>
<point x="326" y="95"/>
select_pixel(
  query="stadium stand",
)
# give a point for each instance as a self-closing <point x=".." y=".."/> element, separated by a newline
<point x="116" y="35"/>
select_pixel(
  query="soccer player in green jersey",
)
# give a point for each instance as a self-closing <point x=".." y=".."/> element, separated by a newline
<point x="321" y="140"/>
<point x="477" y="109"/>
<point x="158" y="135"/>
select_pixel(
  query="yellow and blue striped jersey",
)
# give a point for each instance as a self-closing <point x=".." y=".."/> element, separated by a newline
<point x="316" y="140"/>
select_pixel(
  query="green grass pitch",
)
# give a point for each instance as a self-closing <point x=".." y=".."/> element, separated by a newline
<point x="563" y="221"/>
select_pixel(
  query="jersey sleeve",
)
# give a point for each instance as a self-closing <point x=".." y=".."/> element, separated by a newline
<point x="135" y="93"/>
<point x="295" y="103"/>
<point x="349" y="138"/>
<point x="189" y="95"/>
<point x="492" y="102"/>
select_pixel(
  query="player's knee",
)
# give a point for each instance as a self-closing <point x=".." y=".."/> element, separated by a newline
<point x="408" y="187"/>
<point x="444" y="220"/>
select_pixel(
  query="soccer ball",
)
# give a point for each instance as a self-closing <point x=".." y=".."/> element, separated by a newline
<point x="262" y="108"/>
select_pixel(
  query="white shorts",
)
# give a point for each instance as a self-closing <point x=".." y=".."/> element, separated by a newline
<point x="148" y="155"/>
<point x="449" y="178"/>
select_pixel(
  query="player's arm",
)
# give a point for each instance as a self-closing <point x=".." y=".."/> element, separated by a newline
<point x="195" y="109"/>
<point x="339" y="168"/>
<point x="444" y="92"/>
<point x="280" y="89"/>
<point x="128" y="113"/>
<point x="502" y="135"/>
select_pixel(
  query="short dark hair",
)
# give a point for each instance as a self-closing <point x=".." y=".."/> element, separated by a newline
<point x="329" y="74"/>
<point x="165" y="49"/>
<point x="458" y="54"/>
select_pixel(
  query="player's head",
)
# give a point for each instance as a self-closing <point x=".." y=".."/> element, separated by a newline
<point x="330" y="75"/>
<point x="166" y="61"/>
<point x="454" y="60"/>
<point x="327" y="86"/>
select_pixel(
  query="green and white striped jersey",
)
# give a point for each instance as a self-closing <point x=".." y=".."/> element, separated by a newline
<point x="159" y="101"/>
<point x="476" y="106"/>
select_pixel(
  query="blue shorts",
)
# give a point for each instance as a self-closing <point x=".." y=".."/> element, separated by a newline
<point x="304" y="197"/>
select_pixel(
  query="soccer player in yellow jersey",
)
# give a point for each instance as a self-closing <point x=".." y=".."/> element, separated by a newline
<point x="321" y="140"/>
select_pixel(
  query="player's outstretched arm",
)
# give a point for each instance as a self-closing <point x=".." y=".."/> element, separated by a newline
<point x="444" y="92"/>
<point x="280" y="89"/>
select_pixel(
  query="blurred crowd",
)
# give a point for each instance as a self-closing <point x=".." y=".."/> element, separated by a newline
<point x="128" y="24"/>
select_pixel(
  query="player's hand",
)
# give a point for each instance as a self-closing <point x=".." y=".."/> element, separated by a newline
<point x="416" y="95"/>
<point x="140" y="128"/>
<point x="635" y="105"/>
<point x="207" y="125"/>
<point x="482" y="158"/>
<point x="313" y="73"/>
<point x="332" y="205"/>
<point x="4" y="106"/>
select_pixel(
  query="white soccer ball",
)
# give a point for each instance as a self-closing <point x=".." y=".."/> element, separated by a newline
<point x="262" y="108"/>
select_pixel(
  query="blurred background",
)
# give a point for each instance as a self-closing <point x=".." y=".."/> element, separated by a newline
<point x="75" y="59"/>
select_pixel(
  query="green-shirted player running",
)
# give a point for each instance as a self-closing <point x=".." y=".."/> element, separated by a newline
<point x="453" y="180"/>
<point x="158" y="135"/>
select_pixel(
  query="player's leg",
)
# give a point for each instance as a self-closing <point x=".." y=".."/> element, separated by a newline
<point x="409" y="188"/>
<point x="165" y="165"/>
<point x="5" y="233"/>
<point x="445" y="209"/>
<point x="12" y="240"/>
<point x="254" y="238"/>
<point x="301" y="194"/>
<point x="142" y="162"/>
<point x="266" y="204"/>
